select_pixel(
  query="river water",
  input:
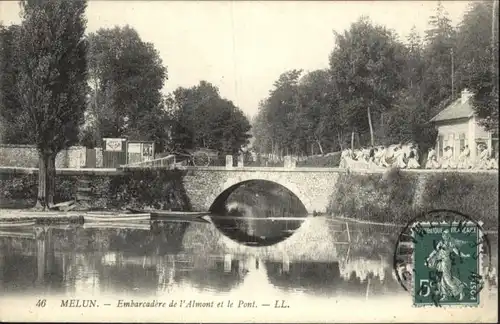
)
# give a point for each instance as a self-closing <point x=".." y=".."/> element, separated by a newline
<point x="325" y="270"/>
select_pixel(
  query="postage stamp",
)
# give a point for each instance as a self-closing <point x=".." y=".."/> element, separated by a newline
<point x="441" y="258"/>
<point x="447" y="263"/>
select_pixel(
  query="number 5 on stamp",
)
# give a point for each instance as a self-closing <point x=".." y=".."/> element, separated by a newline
<point x="447" y="264"/>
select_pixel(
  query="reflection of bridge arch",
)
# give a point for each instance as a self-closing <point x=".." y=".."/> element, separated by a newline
<point x="313" y="235"/>
<point x="307" y="276"/>
<point x="216" y="198"/>
<point x="210" y="272"/>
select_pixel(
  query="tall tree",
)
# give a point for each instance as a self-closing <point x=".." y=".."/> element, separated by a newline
<point x="203" y="119"/>
<point x="126" y="75"/>
<point x="280" y="111"/>
<point x="319" y="117"/>
<point x="408" y="118"/>
<point x="477" y="59"/>
<point x="366" y="66"/>
<point x="52" y="81"/>
<point x="11" y="113"/>
<point x="413" y="70"/>
<point x="261" y="131"/>
<point x="439" y="56"/>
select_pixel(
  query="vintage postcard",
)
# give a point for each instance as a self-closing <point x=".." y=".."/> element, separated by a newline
<point x="249" y="161"/>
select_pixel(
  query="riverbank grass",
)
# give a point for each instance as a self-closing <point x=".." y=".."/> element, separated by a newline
<point x="396" y="197"/>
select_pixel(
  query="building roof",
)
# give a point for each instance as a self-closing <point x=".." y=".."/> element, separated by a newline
<point x="455" y="110"/>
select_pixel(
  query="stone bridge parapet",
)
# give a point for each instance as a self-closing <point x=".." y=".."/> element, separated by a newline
<point x="203" y="185"/>
<point x="311" y="185"/>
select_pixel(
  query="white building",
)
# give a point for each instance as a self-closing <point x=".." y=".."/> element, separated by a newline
<point x="457" y="126"/>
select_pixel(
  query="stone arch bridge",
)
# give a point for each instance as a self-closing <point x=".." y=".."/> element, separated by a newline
<point x="313" y="186"/>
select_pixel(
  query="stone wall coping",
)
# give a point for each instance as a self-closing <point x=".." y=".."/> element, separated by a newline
<point x="315" y="169"/>
<point x="262" y="169"/>
<point x="113" y="171"/>
<point x="63" y="171"/>
<point x="30" y="146"/>
<point x="17" y="146"/>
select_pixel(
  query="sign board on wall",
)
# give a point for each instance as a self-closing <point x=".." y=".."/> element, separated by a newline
<point x="139" y="151"/>
<point x="114" y="144"/>
<point x="147" y="150"/>
<point x="134" y="148"/>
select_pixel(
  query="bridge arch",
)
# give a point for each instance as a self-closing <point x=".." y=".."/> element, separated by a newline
<point x="232" y="183"/>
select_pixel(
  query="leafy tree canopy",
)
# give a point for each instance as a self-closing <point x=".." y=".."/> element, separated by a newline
<point x="127" y="76"/>
<point x="203" y="119"/>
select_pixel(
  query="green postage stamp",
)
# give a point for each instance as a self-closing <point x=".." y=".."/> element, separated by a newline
<point x="447" y="263"/>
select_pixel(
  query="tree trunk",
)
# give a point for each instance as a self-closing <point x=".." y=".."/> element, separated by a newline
<point x="372" y="140"/>
<point x="352" y="140"/>
<point x="339" y="137"/>
<point x="51" y="180"/>
<point x="46" y="180"/>
<point x="320" y="147"/>
<point x="42" y="201"/>
<point x="382" y="126"/>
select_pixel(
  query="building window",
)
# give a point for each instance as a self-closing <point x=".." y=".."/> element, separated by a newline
<point x="440" y="145"/>
<point x="494" y="148"/>
<point x="462" y="139"/>
<point x="480" y="142"/>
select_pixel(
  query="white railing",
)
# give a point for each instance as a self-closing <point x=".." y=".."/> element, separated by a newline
<point x="168" y="162"/>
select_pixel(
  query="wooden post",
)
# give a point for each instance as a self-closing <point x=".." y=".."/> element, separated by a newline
<point x="288" y="162"/>
<point x="228" y="259"/>
<point x="229" y="161"/>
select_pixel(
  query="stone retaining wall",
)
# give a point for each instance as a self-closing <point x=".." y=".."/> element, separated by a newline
<point x="392" y="197"/>
<point x="27" y="156"/>
<point x="396" y="197"/>
<point x="109" y="189"/>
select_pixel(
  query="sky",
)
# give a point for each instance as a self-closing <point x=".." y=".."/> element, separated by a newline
<point x="243" y="46"/>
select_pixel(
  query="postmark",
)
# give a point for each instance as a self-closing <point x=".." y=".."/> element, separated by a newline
<point x="441" y="258"/>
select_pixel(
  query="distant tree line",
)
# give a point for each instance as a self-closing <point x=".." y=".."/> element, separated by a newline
<point x="203" y="119"/>
<point x="125" y="78"/>
<point x="379" y="89"/>
<point x="60" y="87"/>
<point x="43" y="84"/>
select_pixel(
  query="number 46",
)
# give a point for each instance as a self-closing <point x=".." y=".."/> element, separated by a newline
<point x="41" y="303"/>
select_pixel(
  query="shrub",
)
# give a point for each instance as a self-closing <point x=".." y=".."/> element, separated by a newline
<point x="158" y="189"/>
<point x="18" y="187"/>
<point x="65" y="188"/>
<point x="474" y="194"/>
<point x="391" y="197"/>
<point x="375" y="197"/>
<point x="162" y="189"/>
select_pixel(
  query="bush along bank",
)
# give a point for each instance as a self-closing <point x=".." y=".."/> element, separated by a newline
<point x="475" y="195"/>
<point x="157" y="189"/>
<point x="385" y="198"/>
<point x="395" y="197"/>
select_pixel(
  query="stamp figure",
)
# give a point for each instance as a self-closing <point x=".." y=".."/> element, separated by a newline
<point x="447" y="263"/>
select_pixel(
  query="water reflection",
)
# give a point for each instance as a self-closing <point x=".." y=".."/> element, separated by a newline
<point x="258" y="213"/>
<point x="216" y="273"/>
<point x="318" y="277"/>
<point x="170" y="256"/>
